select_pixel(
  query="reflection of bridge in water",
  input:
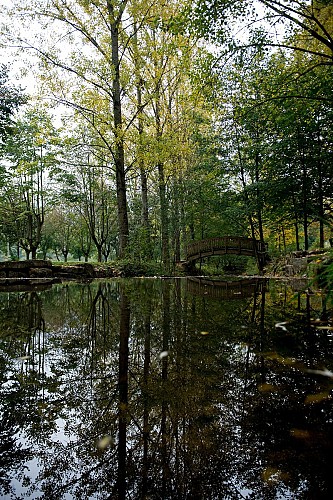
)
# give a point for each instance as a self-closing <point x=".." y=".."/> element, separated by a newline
<point x="235" y="245"/>
<point x="226" y="289"/>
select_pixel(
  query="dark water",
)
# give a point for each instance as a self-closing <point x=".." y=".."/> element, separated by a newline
<point x="166" y="389"/>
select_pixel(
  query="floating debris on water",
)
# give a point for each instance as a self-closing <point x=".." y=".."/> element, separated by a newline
<point x="282" y="325"/>
<point x="267" y="388"/>
<point x="300" y="433"/>
<point x="317" y="398"/>
<point x="104" y="442"/>
<point x="164" y="354"/>
<point x="325" y="372"/>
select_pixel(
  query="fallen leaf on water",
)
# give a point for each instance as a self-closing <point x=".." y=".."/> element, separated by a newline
<point x="300" y="433"/>
<point x="271" y="475"/>
<point x="281" y="325"/>
<point x="317" y="398"/>
<point x="325" y="372"/>
<point x="104" y="442"/>
<point x="289" y="361"/>
<point x="281" y="359"/>
<point x="164" y="354"/>
<point x="267" y="388"/>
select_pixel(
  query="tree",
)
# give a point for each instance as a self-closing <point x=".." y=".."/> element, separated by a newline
<point x="126" y="73"/>
<point x="10" y="99"/>
<point x="313" y="19"/>
<point x="84" y="184"/>
<point x="99" y="24"/>
<point x="31" y="151"/>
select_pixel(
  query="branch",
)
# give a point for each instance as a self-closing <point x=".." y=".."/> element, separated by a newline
<point x="284" y="10"/>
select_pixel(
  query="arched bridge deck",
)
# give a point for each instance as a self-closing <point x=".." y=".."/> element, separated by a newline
<point x="236" y="245"/>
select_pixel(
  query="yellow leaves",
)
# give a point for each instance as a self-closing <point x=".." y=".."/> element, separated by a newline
<point x="25" y="166"/>
<point x="300" y="433"/>
<point x="274" y="356"/>
<point x="267" y="388"/>
<point x="273" y="475"/>
<point x="317" y="398"/>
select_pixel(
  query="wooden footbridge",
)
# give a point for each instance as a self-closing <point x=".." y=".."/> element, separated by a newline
<point x="236" y="245"/>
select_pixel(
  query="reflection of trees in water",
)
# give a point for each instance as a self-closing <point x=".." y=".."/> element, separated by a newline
<point x="222" y="409"/>
<point x="21" y="370"/>
<point x="12" y="454"/>
<point x="279" y="416"/>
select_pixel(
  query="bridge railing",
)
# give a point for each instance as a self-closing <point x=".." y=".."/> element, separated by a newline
<point x="226" y="243"/>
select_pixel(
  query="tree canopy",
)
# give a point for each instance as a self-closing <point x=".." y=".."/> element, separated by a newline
<point x="183" y="121"/>
<point x="10" y="99"/>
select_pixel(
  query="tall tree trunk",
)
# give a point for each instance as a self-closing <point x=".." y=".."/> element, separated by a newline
<point x="305" y="206"/>
<point x="176" y="223"/>
<point x="321" y="209"/>
<point x="162" y="189"/>
<point x="164" y="217"/>
<point x="296" y="221"/>
<point x="259" y="203"/>
<point x="119" y="154"/>
<point x="99" y="253"/>
<point x="143" y="174"/>
<point x="304" y="188"/>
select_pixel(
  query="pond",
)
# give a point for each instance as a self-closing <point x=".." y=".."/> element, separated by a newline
<point x="166" y="389"/>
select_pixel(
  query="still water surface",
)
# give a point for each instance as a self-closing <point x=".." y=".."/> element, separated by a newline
<point x="166" y="389"/>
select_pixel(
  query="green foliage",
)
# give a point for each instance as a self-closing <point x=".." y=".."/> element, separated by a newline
<point x="324" y="275"/>
<point x="128" y="268"/>
<point x="234" y="138"/>
<point x="10" y="99"/>
<point x="212" y="19"/>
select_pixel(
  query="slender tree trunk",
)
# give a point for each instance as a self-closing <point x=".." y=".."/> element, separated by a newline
<point x="247" y="203"/>
<point x="99" y="252"/>
<point x="296" y="222"/>
<point x="183" y="226"/>
<point x="297" y="235"/>
<point x="259" y="203"/>
<point x="284" y="240"/>
<point x="164" y="217"/>
<point x="162" y="190"/>
<point x="304" y="188"/>
<point x="143" y="174"/>
<point x="321" y="209"/>
<point x="305" y="206"/>
<point x="119" y="153"/>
